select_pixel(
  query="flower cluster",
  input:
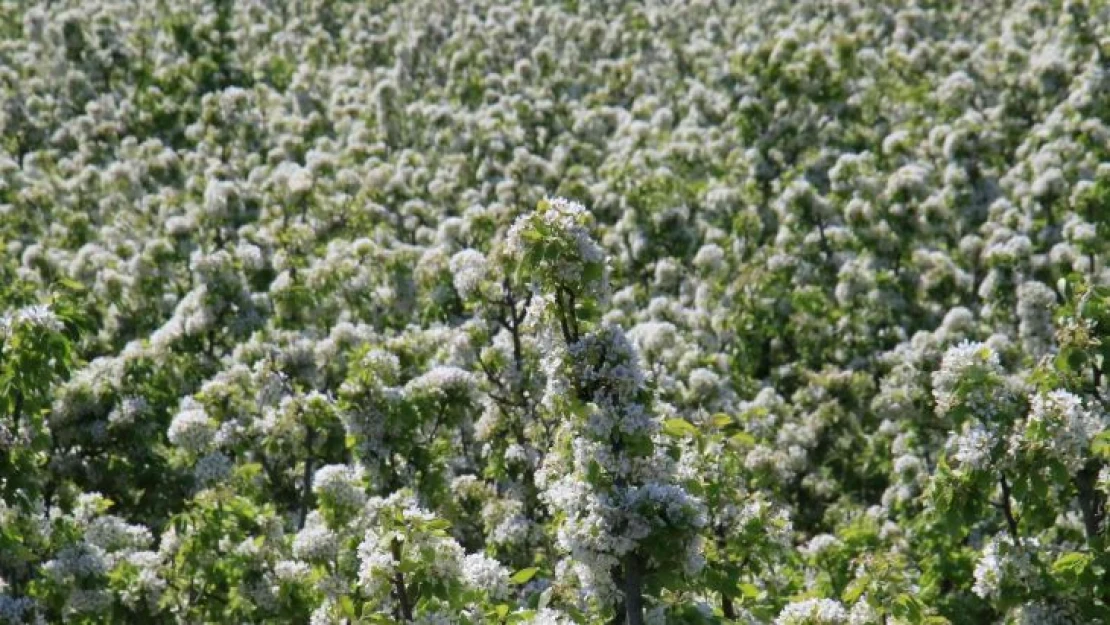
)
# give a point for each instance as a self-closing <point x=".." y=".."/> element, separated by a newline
<point x="554" y="311"/>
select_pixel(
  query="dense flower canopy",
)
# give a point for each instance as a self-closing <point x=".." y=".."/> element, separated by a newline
<point x="555" y="312"/>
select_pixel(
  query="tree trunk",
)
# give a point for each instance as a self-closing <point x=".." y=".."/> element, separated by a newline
<point x="399" y="589"/>
<point x="1091" y="503"/>
<point x="633" y="590"/>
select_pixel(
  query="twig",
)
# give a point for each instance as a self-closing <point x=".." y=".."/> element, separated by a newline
<point x="306" y="493"/>
<point x="399" y="581"/>
<point x="1007" y="511"/>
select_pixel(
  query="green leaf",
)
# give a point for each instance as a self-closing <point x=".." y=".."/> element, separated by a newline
<point x="909" y="608"/>
<point x="593" y="272"/>
<point x="721" y="420"/>
<point x="1100" y="446"/>
<point x="530" y="235"/>
<point x="438" y="524"/>
<point x="1071" y="564"/>
<point x="593" y="472"/>
<point x="348" y="606"/>
<point x="742" y="439"/>
<point x="1071" y="359"/>
<point x="855" y="589"/>
<point x="679" y="428"/>
<point x="523" y="576"/>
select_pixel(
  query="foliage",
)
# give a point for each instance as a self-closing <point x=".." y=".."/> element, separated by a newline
<point x="554" y="312"/>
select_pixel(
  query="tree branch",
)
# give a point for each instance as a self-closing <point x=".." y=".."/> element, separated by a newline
<point x="306" y="492"/>
<point x="567" y="337"/>
<point x="573" y="315"/>
<point x="1091" y="504"/>
<point x="1007" y="510"/>
<point x="633" y="590"/>
<point x="399" y="582"/>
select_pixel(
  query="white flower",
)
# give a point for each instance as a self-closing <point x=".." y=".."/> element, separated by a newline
<point x="191" y="429"/>
<point x="863" y="614"/>
<point x="704" y="383"/>
<point x="654" y="336"/>
<point x="88" y="601"/>
<point x="12" y="609"/>
<point x="710" y="257"/>
<point x="315" y="543"/>
<point x="34" y="316"/>
<point x="292" y="571"/>
<point x="211" y="468"/>
<point x="300" y="181"/>
<point x="974" y="447"/>
<point x="82" y="560"/>
<point x="813" y="612"/>
<point x="1001" y="562"/>
<point x="468" y="269"/>
<point x="968" y="375"/>
<point x="441" y="381"/>
<point x="1059" y="423"/>
<point x="561" y="225"/>
<point x="486" y="574"/>
<point x="547" y="616"/>
<point x="111" y="533"/>
<point x="339" y="484"/>
<point x="1035" y="308"/>
<point x="820" y="544"/>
